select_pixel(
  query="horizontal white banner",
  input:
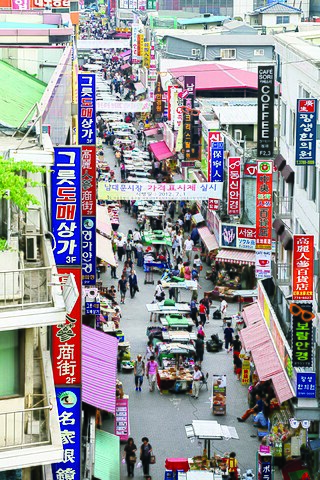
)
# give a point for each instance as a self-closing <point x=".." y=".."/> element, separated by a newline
<point x="123" y="107"/>
<point x="159" y="191"/>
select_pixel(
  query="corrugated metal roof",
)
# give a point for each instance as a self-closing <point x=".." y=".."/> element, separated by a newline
<point x="240" y="257"/>
<point x="276" y="8"/>
<point x="252" y="314"/>
<point x="208" y="239"/>
<point x="230" y="115"/>
<point x="99" y="369"/>
<point x="197" y="20"/>
<point x="107" y="456"/>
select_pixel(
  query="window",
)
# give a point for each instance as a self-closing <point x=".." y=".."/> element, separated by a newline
<point x="282" y="19"/>
<point x="195" y="51"/>
<point x="259" y="52"/>
<point x="283" y="119"/>
<point x="292" y="132"/>
<point x="9" y="363"/>
<point x="228" y="53"/>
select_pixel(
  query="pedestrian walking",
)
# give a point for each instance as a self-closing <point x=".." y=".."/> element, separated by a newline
<point x="149" y="351"/>
<point x="223" y="310"/>
<point x="139" y="250"/>
<point x="188" y="245"/>
<point x="199" y="344"/>
<point x="202" y="312"/>
<point x="197" y="375"/>
<point x="130" y="456"/>
<point x="194" y="311"/>
<point x="233" y="466"/>
<point x="145" y="455"/>
<point x="228" y="336"/>
<point x="122" y="287"/>
<point x="151" y="372"/>
<point x="187" y="221"/>
<point x="120" y="247"/>
<point x="114" y="270"/>
<point x="139" y="371"/>
<point x="133" y="283"/>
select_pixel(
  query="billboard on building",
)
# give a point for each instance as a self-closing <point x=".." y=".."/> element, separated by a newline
<point x="301" y="335"/>
<point x="234" y="186"/>
<point x="216" y="162"/>
<point x="212" y="137"/>
<point x="306" y="131"/>
<point x="302" y="267"/>
<point x="86" y="109"/>
<point x="265" y="141"/>
<point x="264" y="205"/>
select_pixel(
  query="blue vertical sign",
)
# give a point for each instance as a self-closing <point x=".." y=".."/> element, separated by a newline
<point x="88" y="250"/>
<point x="69" y="411"/>
<point x="216" y="162"/>
<point x="266" y="471"/>
<point x="306" y="131"/>
<point x="66" y="206"/>
<point x="86" y="109"/>
<point x="306" y="385"/>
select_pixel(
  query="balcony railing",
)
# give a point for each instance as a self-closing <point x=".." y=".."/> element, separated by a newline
<point x="281" y="272"/>
<point x="282" y="206"/>
<point x="25" y="288"/>
<point x="28" y="427"/>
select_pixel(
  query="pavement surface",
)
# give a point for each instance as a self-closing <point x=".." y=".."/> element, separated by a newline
<point x="162" y="417"/>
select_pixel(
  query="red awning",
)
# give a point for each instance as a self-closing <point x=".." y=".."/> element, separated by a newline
<point x="241" y="257"/>
<point x="151" y="131"/>
<point x="256" y="338"/>
<point x="208" y="238"/>
<point x="160" y="150"/>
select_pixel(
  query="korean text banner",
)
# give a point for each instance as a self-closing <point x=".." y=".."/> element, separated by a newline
<point x="301" y="336"/>
<point x="124" y="107"/>
<point x="306" y="385"/>
<point x="66" y="205"/>
<point x="88" y="155"/>
<point x="238" y="236"/>
<point x="212" y="137"/>
<point x="302" y="267"/>
<point x="159" y="191"/>
<point x="264" y="205"/>
<point x="216" y="162"/>
<point x="69" y="411"/>
<point x="306" y="131"/>
<point x="88" y="250"/>
<point x="234" y="185"/>
<point x="86" y="109"/>
<point x="265" y="142"/>
<point x="66" y="341"/>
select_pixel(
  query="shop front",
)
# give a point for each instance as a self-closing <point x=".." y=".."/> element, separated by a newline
<point x="162" y="154"/>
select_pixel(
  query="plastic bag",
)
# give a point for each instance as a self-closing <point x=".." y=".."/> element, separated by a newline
<point x="123" y="461"/>
<point x="139" y="465"/>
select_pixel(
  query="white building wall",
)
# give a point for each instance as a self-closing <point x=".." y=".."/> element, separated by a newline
<point x="241" y="7"/>
<point x="270" y="20"/>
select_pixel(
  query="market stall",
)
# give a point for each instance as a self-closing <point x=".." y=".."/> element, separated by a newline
<point x="176" y="321"/>
<point x="176" y="366"/>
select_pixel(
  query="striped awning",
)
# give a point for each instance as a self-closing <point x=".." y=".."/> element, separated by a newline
<point x="208" y="239"/>
<point x="242" y="257"/>
<point x="104" y="250"/>
<point x="103" y="221"/>
<point x="149" y="132"/>
<point x="252" y="314"/>
<point x="99" y="369"/>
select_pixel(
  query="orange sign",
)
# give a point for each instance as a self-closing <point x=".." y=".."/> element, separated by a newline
<point x="302" y="267"/>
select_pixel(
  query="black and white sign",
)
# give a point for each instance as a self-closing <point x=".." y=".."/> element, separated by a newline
<point x="265" y="111"/>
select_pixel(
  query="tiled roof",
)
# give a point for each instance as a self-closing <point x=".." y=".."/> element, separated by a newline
<point x="276" y="8"/>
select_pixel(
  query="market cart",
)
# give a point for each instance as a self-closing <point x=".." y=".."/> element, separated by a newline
<point x="176" y="321"/>
<point x="159" y="308"/>
<point x="176" y="362"/>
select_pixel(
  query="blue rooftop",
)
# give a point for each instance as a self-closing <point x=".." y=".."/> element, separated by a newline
<point x="29" y="26"/>
<point x="197" y="20"/>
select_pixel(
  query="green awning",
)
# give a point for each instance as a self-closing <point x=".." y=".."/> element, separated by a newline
<point x="20" y="91"/>
<point x="107" y="456"/>
<point x="182" y="321"/>
<point x="150" y="238"/>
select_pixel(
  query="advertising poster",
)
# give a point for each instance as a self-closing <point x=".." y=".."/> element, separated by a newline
<point x="302" y="267"/>
<point x="216" y="162"/>
<point x="69" y="411"/>
<point x="265" y="141"/>
<point x="263" y="264"/>
<point x="86" y="109"/>
<point x="301" y="336"/>
<point x="264" y="205"/>
<point x="234" y="186"/>
<point x="219" y="394"/>
<point x="306" y="131"/>
<point x="121" y="420"/>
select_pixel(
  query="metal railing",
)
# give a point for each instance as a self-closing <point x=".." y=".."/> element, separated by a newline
<point x="281" y="272"/>
<point x="25" y="428"/>
<point x="283" y="206"/>
<point x="25" y="288"/>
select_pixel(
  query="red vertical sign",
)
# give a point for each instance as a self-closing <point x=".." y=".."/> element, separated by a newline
<point x="66" y="339"/>
<point x="88" y="180"/>
<point x="264" y="205"/>
<point x="212" y="137"/>
<point x="302" y="267"/>
<point x="234" y="185"/>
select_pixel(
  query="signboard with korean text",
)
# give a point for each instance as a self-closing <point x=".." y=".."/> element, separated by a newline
<point x="146" y="55"/>
<point x="189" y="84"/>
<point x="216" y="162"/>
<point x="92" y="308"/>
<point x="20" y="4"/>
<point x="234" y="185"/>
<point x="265" y="471"/>
<point x="49" y="4"/>
<point x="306" y="385"/>
<point x="69" y="411"/>
<point x="263" y="264"/>
<point x="66" y="340"/>
<point x="302" y="267"/>
<point x="160" y="191"/>
<point x="264" y="205"/>
<point x="88" y="154"/>
<point x="121" y="419"/>
<point x="306" y="131"/>
<point x="134" y="42"/>
<point x="187" y="136"/>
<point x="219" y="395"/>
<point x="124" y="107"/>
<point x="301" y="337"/>
<point x="86" y="109"/>
<point x="158" y="105"/>
<point x="238" y="236"/>
<point x="140" y="44"/>
<point x="88" y="250"/>
<point x="213" y="204"/>
<point x="66" y="205"/>
<point x="265" y="141"/>
<point x="212" y="137"/>
<point x="245" y="372"/>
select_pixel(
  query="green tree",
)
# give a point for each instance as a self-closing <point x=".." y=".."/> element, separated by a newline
<point x="14" y="182"/>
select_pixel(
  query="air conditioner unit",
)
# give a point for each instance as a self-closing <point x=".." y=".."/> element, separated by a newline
<point x="238" y="135"/>
<point x="31" y="248"/>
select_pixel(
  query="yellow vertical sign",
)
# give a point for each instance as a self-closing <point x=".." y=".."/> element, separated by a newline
<point x="245" y="374"/>
<point x="146" y="55"/>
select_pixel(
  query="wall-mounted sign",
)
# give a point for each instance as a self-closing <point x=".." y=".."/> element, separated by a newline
<point x="238" y="236"/>
<point x="213" y="136"/>
<point x="301" y="338"/>
<point x="216" y="162"/>
<point x="213" y="204"/>
<point x="234" y="186"/>
<point x="158" y="105"/>
<point x="302" y="267"/>
<point x="306" y="385"/>
<point x="306" y="131"/>
<point x="264" y="205"/>
<point x="263" y="264"/>
<point x="88" y="250"/>
<point x="92" y="308"/>
<point x="86" y="109"/>
<point x="265" y="141"/>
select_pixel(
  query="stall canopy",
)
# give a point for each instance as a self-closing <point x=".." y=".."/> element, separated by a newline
<point x="107" y="456"/>
<point x="104" y="250"/>
<point x="151" y="131"/>
<point x="99" y="369"/>
<point x="208" y="238"/>
<point x="257" y="339"/>
<point x="139" y="88"/>
<point x="126" y="53"/>
<point x="103" y="221"/>
<point x="236" y="256"/>
<point x="125" y="66"/>
<point x="160" y="150"/>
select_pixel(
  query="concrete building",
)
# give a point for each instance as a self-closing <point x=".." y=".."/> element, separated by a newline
<point x="277" y="15"/>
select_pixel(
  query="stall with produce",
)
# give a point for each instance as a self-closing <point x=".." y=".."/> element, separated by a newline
<point x="176" y="362"/>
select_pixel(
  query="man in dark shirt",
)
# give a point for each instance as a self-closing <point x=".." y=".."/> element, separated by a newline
<point x="195" y="235"/>
<point x="199" y="344"/>
<point x="252" y="411"/>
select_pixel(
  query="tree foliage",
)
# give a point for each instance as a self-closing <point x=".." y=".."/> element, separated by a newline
<point x="14" y="182"/>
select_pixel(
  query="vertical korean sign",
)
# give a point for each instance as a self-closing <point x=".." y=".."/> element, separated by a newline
<point x="302" y="333"/>
<point x="302" y="267"/>
<point x="87" y="138"/>
<point x="306" y="131"/>
<point x="265" y="142"/>
<point x="216" y="162"/>
<point x="264" y="205"/>
<point x="158" y="105"/>
<point x="66" y="337"/>
<point x="234" y="185"/>
<point x="212" y="137"/>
